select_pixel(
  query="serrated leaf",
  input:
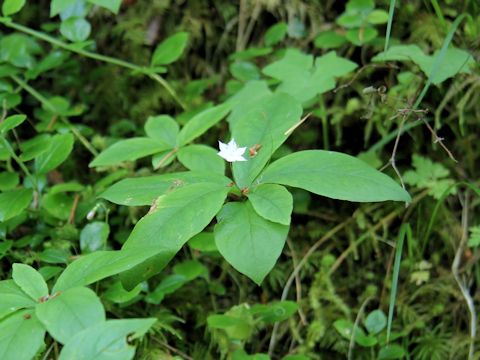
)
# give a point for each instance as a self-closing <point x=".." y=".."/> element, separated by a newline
<point x="335" y="175"/>
<point x="250" y="243"/>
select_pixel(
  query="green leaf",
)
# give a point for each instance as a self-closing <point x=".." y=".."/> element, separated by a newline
<point x="76" y="29"/>
<point x="11" y="7"/>
<point x="162" y="128"/>
<point x="244" y="70"/>
<point x="304" y="80"/>
<point x="474" y="238"/>
<point x="247" y="241"/>
<point x="128" y="150"/>
<point x="201" y="122"/>
<point x="57" y="6"/>
<point x="112" y="5"/>
<point x="13" y="202"/>
<point x="58" y="205"/>
<point x="346" y="329"/>
<point x="334" y="175"/>
<point x="375" y="322"/>
<point x="21" y="336"/>
<point x="201" y="158"/>
<point x="8" y="180"/>
<point x="391" y="351"/>
<point x="275" y="34"/>
<point x="96" y="266"/>
<point x="35" y="146"/>
<point x="173" y="220"/>
<point x="205" y="241"/>
<point x="272" y="202"/>
<point x="361" y="36"/>
<point x="237" y="322"/>
<point x="11" y="122"/>
<point x="170" y="49"/>
<point x="167" y="286"/>
<point x="106" y="340"/>
<point x="12" y="298"/>
<point x="117" y="294"/>
<point x="249" y="96"/>
<point x="60" y="148"/>
<point x="377" y="17"/>
<point x="94" y="236"/>
<point x="271" y="313"/>
<point x="67" y="313"/>
<point x="329" y="40"/>
<point x="30" y="281"/>
<point x="144" y="190"/>
<point x="263" y="125"/>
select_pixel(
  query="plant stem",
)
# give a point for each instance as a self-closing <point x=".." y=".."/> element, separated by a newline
<point x="20" y="163"/>
<point x="107" y="59"/>
<point x="42" y="99"/>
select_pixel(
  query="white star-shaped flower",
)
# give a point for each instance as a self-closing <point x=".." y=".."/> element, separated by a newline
<point x="231" y="152"/>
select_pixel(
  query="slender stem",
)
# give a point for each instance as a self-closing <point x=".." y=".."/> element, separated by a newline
<point x="107" y="59"/>
<point x="48" y="104"/>
<point x="20" y="163"/>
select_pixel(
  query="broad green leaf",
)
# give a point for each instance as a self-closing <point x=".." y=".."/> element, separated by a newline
<point x="76" y="29"/>
<point x="60" y="147"/>
<point x="249" y="96"/>
<point x="360" y="36"/>
<point x="97" y="266"/>
<point x="167" y="286"/>
<point x="264" y="125"/>
<point x="106" y="340"/>
<point x="201" y="158"/>
<point x="378" y="17"/>
<point x="144" y="190"/>
<point x="237" y="322"/>
<point x="302" y="78"/>
<point x="58" y="205"/>
<point x="455" y="60"/>
<point x="72" y="186"/>
<point x="21" y="336"/>
<point x="8" y="180"/>
<point x="275" y="33"/>
<point x="128" y="150"/>
<point x="11" y="122"/>
<point x="57" y="6"/>
<point x="163" y="159"/>
<point x="191" y="269"/>
<point x="250" y="243"/>
<point x="19" y="50"/>
<point x="13" y="202"/>
<point x="244" y="70"/>
<point x="35" y="146"/>
<point x="162" y="128"/>
<point x="375" y="322"/>
<point x="347" y="329"/>
<point x="112" y="5"/>
<point x="334" y="175"/>
<point x="94" y="236"/>
<point x="201" y="122"/>
<point x="170" y="49"/>
<point x="67" y="313"/>
<point x="12" y="298"/>
<point x="392" y="351"/>
<point x="250" y="53"/>
<point x="30" y="281"/>
<point x="329" y="40"/>
<point x="11" y="7"/>
<point x="272" y="202"/>
<point x="117" y="294"/>
<point x="205" y="241"/>
<point x="172" y="221"/>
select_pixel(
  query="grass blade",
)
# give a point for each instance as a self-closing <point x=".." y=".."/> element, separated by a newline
<point x="391" y="11"/>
